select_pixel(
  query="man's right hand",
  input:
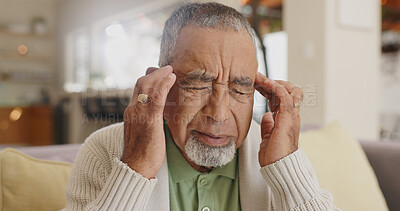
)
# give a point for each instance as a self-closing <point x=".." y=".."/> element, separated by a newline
<point x="144" y="140"/>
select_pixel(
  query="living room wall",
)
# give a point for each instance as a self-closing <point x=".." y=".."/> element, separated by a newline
<point x="337" y="64"/>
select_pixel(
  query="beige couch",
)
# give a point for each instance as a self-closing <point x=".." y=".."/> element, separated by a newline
<point x="339" y="161"/>
<point x="384" y="158"/>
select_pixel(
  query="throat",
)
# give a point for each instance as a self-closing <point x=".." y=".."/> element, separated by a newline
<point x="198" y="168"/>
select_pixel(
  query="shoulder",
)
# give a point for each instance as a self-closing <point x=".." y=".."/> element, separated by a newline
<point x="105" y="143"/>
<point x="94" y="164"/>
<point x="107" y="134"/>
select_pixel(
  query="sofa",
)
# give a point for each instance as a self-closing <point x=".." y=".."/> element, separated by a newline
<point x="384" y="158"/>
<point x="331" y="150"/>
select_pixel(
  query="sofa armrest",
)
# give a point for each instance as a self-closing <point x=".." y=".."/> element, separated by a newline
<point x="384" y="158"/>
<point x="63" y="152"/>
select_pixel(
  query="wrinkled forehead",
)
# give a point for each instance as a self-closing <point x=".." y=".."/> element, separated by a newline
<point x="214" y="53"/>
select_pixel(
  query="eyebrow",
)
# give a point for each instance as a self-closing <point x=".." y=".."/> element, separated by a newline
<point x="243" y="80"/>
<point x="201" y="76"/>
<point x="197" y="76"/>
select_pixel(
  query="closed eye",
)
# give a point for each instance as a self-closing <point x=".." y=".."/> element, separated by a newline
<point x="196" y="88"/>
<point x="192" y="88"/>
<point x="238" y="92"/>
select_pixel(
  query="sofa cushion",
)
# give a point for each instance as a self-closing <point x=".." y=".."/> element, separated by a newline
<point x="384" y="157"/>
<point x="343" y="168"/>
<point x="27" y="183"/>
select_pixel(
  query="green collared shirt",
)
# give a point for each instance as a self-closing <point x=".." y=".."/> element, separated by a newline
<point x="189" y="189"/>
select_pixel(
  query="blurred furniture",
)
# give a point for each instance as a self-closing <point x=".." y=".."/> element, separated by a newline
<point x="28" y="51"/>
<point x="26" y="125"/>
<point x="383" y="157"/>
<point x="61" y="153"/>
<point x="342" y="168"/>
<point x="27" y="183"/>
<point x="80" y="114"/>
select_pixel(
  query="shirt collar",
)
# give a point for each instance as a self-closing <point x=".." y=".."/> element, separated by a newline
<point x="180" y="169"/>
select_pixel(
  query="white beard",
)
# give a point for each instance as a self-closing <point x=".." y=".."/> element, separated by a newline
<point x="210" y="156"/>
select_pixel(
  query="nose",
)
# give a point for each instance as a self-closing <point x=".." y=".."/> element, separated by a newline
<point x="217" y="108"/>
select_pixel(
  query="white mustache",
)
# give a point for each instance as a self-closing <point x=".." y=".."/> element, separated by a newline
<point x="209" y="156"/>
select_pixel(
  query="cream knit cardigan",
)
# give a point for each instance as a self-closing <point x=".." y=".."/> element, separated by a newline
<point x="100" y="181"/>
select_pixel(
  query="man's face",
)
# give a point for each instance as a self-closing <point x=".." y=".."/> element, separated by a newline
<point x="212" y="98"/>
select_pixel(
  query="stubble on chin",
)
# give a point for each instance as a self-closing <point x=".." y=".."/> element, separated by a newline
<point x="210" y="156"/>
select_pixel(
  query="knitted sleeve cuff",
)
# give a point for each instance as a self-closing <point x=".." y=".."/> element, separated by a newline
<point x="124" y="189"/>
<point x="292" y="181"/>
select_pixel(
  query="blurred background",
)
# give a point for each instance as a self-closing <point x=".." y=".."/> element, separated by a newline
<point x="67" y="66"/>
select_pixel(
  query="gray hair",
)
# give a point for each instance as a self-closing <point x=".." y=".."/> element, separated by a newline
<point x="202" y="15"/>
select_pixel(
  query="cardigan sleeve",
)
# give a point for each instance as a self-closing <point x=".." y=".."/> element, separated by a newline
<point x="99" y="183"/>
<point x="295" y="186"/>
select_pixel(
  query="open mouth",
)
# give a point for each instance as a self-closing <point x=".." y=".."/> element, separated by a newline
<point x="212" y="140"/>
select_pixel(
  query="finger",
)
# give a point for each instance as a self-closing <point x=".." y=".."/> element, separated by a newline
<point x="286" y="100"/>
<point x="152" y="110"/>
<point x="147" y="84"/>
<point x="274" y="114"/>
<point x="288" y="86"/>
<point x="158" y="99"/>
<point x="159" y="73"/>
<point x="295" y="91"/>
<point x="287" y="112"/>
<point x="267" y="125"/>
<point x="150" y="70"/>
<point x="297" y="96"/>
<point x="157" y="95"/>
<point x="274" y="103"/>
<point x="265" y="86"/>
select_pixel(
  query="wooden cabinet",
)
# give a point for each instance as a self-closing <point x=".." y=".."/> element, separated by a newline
<point x="26" y="125"/>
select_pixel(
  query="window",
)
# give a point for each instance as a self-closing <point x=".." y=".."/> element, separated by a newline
<point x="117" y="51"/>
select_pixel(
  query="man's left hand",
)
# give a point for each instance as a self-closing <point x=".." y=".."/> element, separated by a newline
<point x="279" y="129"/>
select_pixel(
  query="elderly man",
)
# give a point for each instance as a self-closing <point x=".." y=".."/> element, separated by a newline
<point x="187" y="141"/>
